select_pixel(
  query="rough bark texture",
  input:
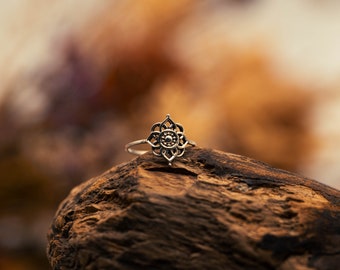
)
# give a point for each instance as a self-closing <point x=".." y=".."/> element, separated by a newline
<point x="210" y="210"/>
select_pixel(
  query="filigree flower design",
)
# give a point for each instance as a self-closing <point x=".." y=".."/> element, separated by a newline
<point x="167" y="139"/>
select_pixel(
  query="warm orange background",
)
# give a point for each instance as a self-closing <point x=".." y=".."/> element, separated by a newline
<point x="80" y="79"/>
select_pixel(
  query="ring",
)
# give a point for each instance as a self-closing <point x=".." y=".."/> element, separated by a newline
<point x="166" y="139"/>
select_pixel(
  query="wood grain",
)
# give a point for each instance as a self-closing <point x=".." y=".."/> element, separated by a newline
<point x="210" y="210"/>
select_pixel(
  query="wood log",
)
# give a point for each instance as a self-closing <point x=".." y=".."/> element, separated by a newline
<point x="209" y="210"/>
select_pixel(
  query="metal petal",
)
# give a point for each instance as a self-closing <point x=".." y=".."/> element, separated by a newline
<point x="182" y="142"/>
<point x="168" y="124"/>
<point x="156" y="127"/>
<point x="169" y="154"/>
<point x="180" y="128"/>
<point x="181" y="152"/>
<point x="153" y="139"/>
<point x="156" y="151"/>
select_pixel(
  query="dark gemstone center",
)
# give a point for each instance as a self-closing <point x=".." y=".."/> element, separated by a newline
<point x="168" y="139"/>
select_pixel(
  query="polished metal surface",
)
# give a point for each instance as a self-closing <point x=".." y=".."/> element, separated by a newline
<point x="166" y="139"/>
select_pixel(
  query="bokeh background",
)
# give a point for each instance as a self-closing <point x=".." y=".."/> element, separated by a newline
<point x="80" y="79"/>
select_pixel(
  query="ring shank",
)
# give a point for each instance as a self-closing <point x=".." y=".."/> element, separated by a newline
<point x="192" y="143"/>
<point x="134" y="151"/>
<point x="144" y="141"/>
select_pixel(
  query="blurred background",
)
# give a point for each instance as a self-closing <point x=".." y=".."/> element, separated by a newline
<point x="80" y="79"/>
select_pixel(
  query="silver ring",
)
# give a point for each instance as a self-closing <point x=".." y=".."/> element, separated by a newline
<point x="166" y="139"/>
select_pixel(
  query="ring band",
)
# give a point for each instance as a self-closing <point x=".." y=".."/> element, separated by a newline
<point x="166" y="139"/>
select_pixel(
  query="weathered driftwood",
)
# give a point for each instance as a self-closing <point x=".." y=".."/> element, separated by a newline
<point x="210" y="210"/>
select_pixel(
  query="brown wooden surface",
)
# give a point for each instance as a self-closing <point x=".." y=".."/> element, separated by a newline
<point x="210" y="210"/>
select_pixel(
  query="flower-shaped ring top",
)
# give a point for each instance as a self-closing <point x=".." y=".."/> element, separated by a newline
<point x="166" y="139"/>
